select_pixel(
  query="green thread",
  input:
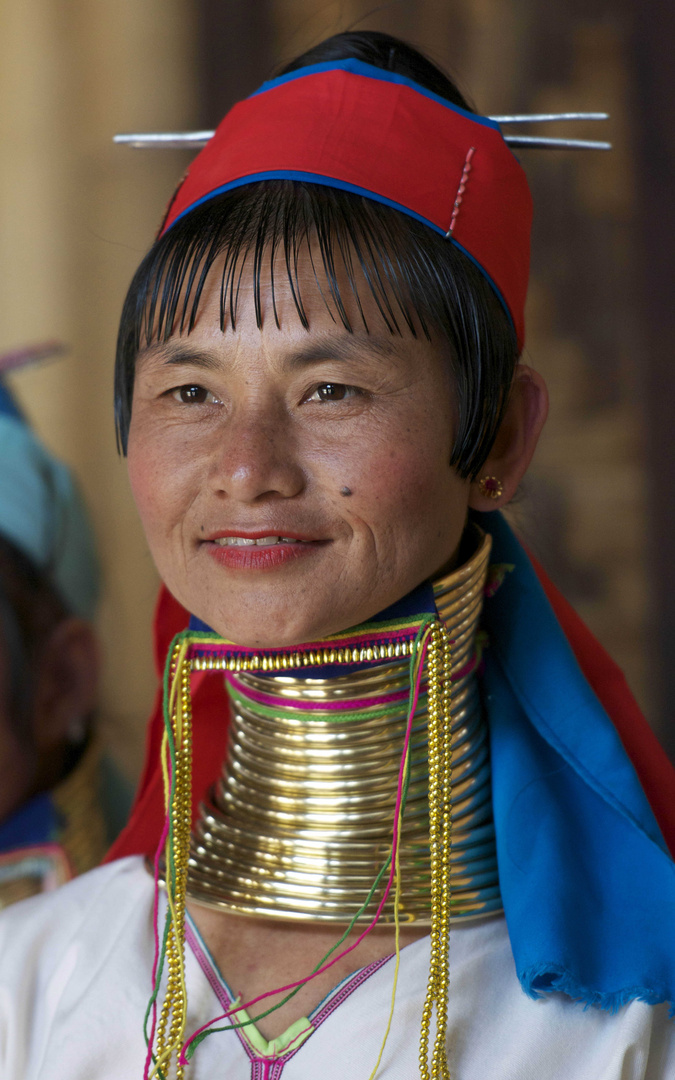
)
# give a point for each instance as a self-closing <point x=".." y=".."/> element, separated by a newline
<point x="170" y="870"/>
<point x="392" y="709"/>
<point x="194" y="1043"/>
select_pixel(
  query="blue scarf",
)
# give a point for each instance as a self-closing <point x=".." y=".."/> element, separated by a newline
<point x="587" y="881"/>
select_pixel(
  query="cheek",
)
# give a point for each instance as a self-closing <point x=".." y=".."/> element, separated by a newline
<point x="143" y="477"/>
<point x="399" y="488"/>
<point x="158" y="480"/>
<point x="405" y="495"/>
<point x="408" y="466"/>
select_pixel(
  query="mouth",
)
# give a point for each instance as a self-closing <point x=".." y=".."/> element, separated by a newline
<point x="260" y="550"/>
<point x="259" y="541"/>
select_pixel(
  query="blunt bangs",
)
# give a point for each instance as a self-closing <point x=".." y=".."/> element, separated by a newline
<point x="421" y="284"/>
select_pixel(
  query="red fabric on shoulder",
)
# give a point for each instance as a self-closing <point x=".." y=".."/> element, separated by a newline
<point x="210" y="707"/>
<point x="650" y="762"/>
<point x="211" y="712"/>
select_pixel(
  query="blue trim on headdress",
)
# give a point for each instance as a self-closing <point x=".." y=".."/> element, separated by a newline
<point x="42" y="512"/>
<point x="358" y="67"/>
<point x="328" y="181"/>
<point x="308" y="178"/>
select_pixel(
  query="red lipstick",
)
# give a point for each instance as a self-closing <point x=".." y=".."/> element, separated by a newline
<point x="259" y="550"/>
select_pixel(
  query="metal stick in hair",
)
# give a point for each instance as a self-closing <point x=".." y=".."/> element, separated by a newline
<point x="195" y="140"/>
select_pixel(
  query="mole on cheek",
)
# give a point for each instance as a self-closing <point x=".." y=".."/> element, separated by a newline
<point x="345" y="491"/>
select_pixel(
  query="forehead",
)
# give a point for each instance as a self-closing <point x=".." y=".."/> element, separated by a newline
<point x="305" y="306"/>
<point x="282" y="254"/>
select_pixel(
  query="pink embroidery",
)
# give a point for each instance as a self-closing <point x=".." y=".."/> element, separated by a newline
<point x="460" y="191"/>
<point x="271" y="1068"/>
<point x="349" y="987"/>
<point x="266" y="1069"/>
<point x="207" y="967"/>
<point x="352" y="705"/>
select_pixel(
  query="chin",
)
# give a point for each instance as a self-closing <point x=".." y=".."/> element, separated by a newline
<point x="269" y="632"/>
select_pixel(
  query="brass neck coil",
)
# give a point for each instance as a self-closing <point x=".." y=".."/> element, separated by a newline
<point x="300" y="822"/>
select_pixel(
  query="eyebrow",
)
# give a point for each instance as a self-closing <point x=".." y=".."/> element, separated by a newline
<point x="168" y="353"/>
<point x="330" y="348"/>
<point x="341" y="348"/>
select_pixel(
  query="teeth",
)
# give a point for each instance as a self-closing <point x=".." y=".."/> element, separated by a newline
<point x="263" y="541"/>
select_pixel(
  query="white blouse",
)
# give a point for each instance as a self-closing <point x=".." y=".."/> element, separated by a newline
<point x="75" y="969"/>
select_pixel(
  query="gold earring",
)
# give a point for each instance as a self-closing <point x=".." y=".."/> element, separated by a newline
<point x="491" y="487"/>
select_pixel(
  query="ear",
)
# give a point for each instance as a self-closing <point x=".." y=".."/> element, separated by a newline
<point x="516" y="440"/>
<point x="66" y="683"/>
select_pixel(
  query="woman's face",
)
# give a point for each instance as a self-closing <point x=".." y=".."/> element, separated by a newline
<point x="293" y="482"/>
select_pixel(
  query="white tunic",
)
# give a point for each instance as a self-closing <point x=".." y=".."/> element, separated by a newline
<point x="75" y="978"/>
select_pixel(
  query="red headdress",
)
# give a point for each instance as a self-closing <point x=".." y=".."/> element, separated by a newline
<point x="352" y="126"/>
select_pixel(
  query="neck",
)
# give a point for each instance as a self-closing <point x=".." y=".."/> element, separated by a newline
<point x="300" y="822"/>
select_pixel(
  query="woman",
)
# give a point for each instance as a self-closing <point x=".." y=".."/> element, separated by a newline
<point x="319" y="396"/>
<point x="51" y="820"/>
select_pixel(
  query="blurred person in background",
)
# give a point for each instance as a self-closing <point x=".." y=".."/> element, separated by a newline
<point x="52" y="826"/>
<point x="319" y="390"/>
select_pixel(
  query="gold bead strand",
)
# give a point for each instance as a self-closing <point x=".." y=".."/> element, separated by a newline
<point x="433" y="690"/>
<point x="182" y="827"/>
<point x="444" y="658"/>
<point x="175" y="1003"/>
<point x="438" y="703"/>
<point x="432" y="699"/>
<point x="431" y="749"/>
<point x="160" y="1037"/>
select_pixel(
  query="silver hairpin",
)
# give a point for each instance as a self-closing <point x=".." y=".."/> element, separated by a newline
<point x="535" y="142"/>
<point x="194" y="140"/>
<point x="547" y="118"/>
<point x="166" y="140"/>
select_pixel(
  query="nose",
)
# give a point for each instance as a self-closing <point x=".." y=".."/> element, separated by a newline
<point x="257" y="455"/>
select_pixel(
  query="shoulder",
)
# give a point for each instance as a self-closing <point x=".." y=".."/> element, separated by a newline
<point x="69" y="958"/>
<point x="83" y="922"/>
<point x="53" y="920"/>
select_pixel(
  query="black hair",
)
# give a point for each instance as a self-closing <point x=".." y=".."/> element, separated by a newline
<point x="421" y="282"/>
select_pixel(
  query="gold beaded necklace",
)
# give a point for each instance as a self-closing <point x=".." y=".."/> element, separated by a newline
<point x="447" y="644"/>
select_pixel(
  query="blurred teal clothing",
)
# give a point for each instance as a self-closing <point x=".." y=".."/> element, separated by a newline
<point x="42" y="512"/>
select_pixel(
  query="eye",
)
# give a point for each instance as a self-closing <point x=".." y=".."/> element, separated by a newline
<point x="331" y="392"/>
<point x="193" y="395"/>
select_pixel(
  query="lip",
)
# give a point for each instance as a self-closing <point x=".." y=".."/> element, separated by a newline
<point x="258" y="534"/>
<point x="269" y="557"/>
